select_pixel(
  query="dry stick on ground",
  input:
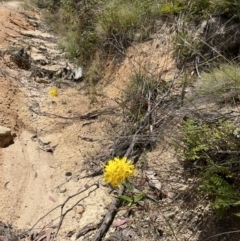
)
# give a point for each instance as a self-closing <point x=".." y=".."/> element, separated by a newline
<point x="116" y="203"/>
<point x="109" y="217"/>
<point x="68" y="210"/>
<point x="63" y="204"/>
<point x="86" y="230"/>
<point x="91" y="115"/>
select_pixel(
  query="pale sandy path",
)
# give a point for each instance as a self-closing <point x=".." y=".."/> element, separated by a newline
<point x="29" y="173"/>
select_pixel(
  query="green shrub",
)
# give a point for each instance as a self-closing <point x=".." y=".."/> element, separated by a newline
<point x="112" y="25"/>
<point x="228" y="8"/>
<point x="213" y="150"/>
<point x="198" y="7"/>
<point x="201" y="9"/>
<point x="202" y="139"/>
<point x="170" y="8"/>
<point x="120" y="20"/>
<point x="70" y="43"/>
<point x="223" y="193"/>
<point x="108" y="26"/>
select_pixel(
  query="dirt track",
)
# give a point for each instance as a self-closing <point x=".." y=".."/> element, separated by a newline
<point x="44" y="149"/>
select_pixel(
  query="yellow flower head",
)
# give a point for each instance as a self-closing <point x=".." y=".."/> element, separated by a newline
<point x="53" y="92"/>
<point x="118" y="171"/>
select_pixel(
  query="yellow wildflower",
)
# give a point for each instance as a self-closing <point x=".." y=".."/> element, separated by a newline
<point x="118" y="171"/>
<point x="53" y="92"/>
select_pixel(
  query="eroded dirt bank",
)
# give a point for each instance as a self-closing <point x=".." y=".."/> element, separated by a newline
<point x="46" y="151"/>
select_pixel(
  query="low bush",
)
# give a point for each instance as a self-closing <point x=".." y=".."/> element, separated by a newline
<point x="107" y="26"/>
<point x="120" y="21"/>
<point x="202" y="9"/>
<point x="213" y="151"/>
<point x="140" y="92"/>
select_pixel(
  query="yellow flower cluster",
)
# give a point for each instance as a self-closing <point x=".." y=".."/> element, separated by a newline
<point x="118" y="171"/>
<point x="53" y="92"/>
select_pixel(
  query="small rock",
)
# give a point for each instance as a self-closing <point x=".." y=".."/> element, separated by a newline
<point x="68" y="174"/>
<point x="77" y="73"/>
<point x="6" y="138"/>
<point x="21" y="59"/>
<point x="62" y="189"/>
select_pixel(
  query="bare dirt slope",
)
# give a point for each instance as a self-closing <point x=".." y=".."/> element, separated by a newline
<point x="46" y="151"/>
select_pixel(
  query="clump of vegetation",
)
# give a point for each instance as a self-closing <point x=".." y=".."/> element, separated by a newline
<point x="111" y="26"/>
<point x="106" y="26"/>
<point x="202" y="9"/>
<point x="213" y="150"/>
<point x="170" y="8"/>
<point x="120" y="21"/>
<point x="74" y="21"/>
<point x="140" y="93"/>
<point x="187" y="45"/>
<point x="205" y="31"/>
<point x="221" y="85"/>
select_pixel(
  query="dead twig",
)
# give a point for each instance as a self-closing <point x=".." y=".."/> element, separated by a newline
<point x="109" y="217"/>
<point x="91" y="115"/>
<point x="220" y="234"/>
<point x="86" y="230"/>
<point x="42" y="235"/>
<point x="63" y="204"/>
<point x="63" y="214"/>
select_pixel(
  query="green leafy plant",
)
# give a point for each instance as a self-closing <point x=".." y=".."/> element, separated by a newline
<point x="131" y="198"/>
<point x="213" y="150"/>
<point x="120" y="22"/>
<point x="170" y="7"/>
<point x="202" y="141"/>
<point x="200" y="9"/>
<point x="221" y="191"/>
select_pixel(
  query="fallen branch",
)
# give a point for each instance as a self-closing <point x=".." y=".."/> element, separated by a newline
<point x="86" y="230"/>
<point x="63" y="214"/>
<point x="62" y="206"/>
<point x="109" y="217"/>
<point x="91" y="115"/>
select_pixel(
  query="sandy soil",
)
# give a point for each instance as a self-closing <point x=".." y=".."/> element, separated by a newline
<point x="57" y="139"/>
<point x="45" y="164"/>
<point x="47" y="152"/>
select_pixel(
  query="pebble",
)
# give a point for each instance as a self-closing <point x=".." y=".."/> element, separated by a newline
<point x="62" y="189"/>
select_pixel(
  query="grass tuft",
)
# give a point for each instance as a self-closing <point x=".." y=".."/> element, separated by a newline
<point x="221" y="85"/>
